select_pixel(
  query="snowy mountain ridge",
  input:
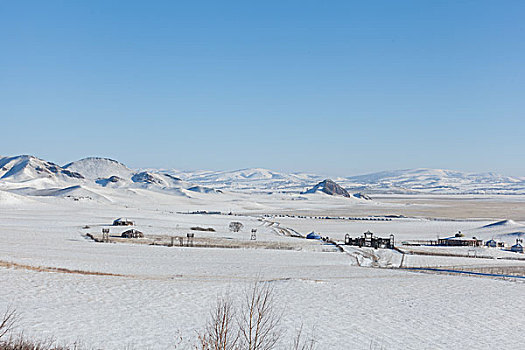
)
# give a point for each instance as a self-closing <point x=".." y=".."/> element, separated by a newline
<point x="29" y="175"/>
<point x="105" y="172"/>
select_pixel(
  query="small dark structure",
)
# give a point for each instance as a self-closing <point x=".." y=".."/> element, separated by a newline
<point x="313" y="235"/>
<point x="492" y="243"/>
<point x="368" y="240"/>
<point x="190" y="237"/>
<point x="132" y="234"/>
<point x="122" y="222"/>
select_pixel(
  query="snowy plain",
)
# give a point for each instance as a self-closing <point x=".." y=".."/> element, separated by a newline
<point x="118" y="295"/>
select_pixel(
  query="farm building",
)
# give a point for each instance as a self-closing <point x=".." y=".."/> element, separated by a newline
<point x="460" y="242"/>
<point x="122" y="222"/>
<point x="369" y="240"/>
<point x="132" y="234"/>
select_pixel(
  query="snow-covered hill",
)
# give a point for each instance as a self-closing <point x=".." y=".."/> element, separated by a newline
<point x="26" y="168"/>
<point x="329" y="187"/>
<point x="503" y="230"/>
<point x="96" y="168"/>
<point x="112" y="174"/>
<point x="251" y="179"/>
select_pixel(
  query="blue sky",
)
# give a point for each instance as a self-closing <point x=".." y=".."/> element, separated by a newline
<point x="333" y="87"/>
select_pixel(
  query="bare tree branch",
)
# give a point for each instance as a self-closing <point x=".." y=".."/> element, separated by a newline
<point x="302" y="342"/>
<point x="259" y="320"/>
<point x="8" y="321"/>
<point x="220" y="332"/>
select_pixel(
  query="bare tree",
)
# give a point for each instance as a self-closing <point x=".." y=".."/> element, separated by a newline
<point x="259" y="320"/>
<point x="302" y="342"/>
<point x="252" y="324"/>
<point x="236" y="226"/>
<point x="221" y="332"/>
<point x="8" y="321"/>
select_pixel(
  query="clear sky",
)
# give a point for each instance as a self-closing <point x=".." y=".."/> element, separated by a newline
<point x="333" y="87"/>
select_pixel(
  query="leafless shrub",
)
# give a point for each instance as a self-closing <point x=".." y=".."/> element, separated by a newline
<point x="236" y="226"/>
<point x="221" y="332"/>
<point x="10" y="341"/>
<point x="20" y="342"/>
<point x="259" y="320"/>
<point x="253" y="324"/>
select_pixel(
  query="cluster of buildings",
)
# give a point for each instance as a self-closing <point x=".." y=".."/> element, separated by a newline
<point x="459" y="240"/>
<point x="131" y="233"/>
<point x="369" y="240"/>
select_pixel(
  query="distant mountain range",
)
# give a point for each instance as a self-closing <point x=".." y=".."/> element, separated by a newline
<point x="410" y="181"/>
<point x="436" y="181"/>
<point x="27" y="173"/>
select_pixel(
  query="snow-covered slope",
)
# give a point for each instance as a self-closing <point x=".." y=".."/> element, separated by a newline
<point x="11" y="199"/>
<point x="73" y="192"/>
<point x="504" y="230"/>
<point x="251" y="179"/>
<point x="26" y="168"/>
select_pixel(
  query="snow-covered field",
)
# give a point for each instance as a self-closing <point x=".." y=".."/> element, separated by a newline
<point x="113" y="296"/>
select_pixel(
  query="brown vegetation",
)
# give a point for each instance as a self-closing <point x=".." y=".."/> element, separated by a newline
<point x="8" y="264"/>
<point x="206" y="229"/>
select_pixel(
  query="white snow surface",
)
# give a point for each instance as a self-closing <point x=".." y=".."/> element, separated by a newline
<point x="146" y="296"/>
<point x="162" y="291"/>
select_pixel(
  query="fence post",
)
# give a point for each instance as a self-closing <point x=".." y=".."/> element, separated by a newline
<point x="105" y="235"/>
